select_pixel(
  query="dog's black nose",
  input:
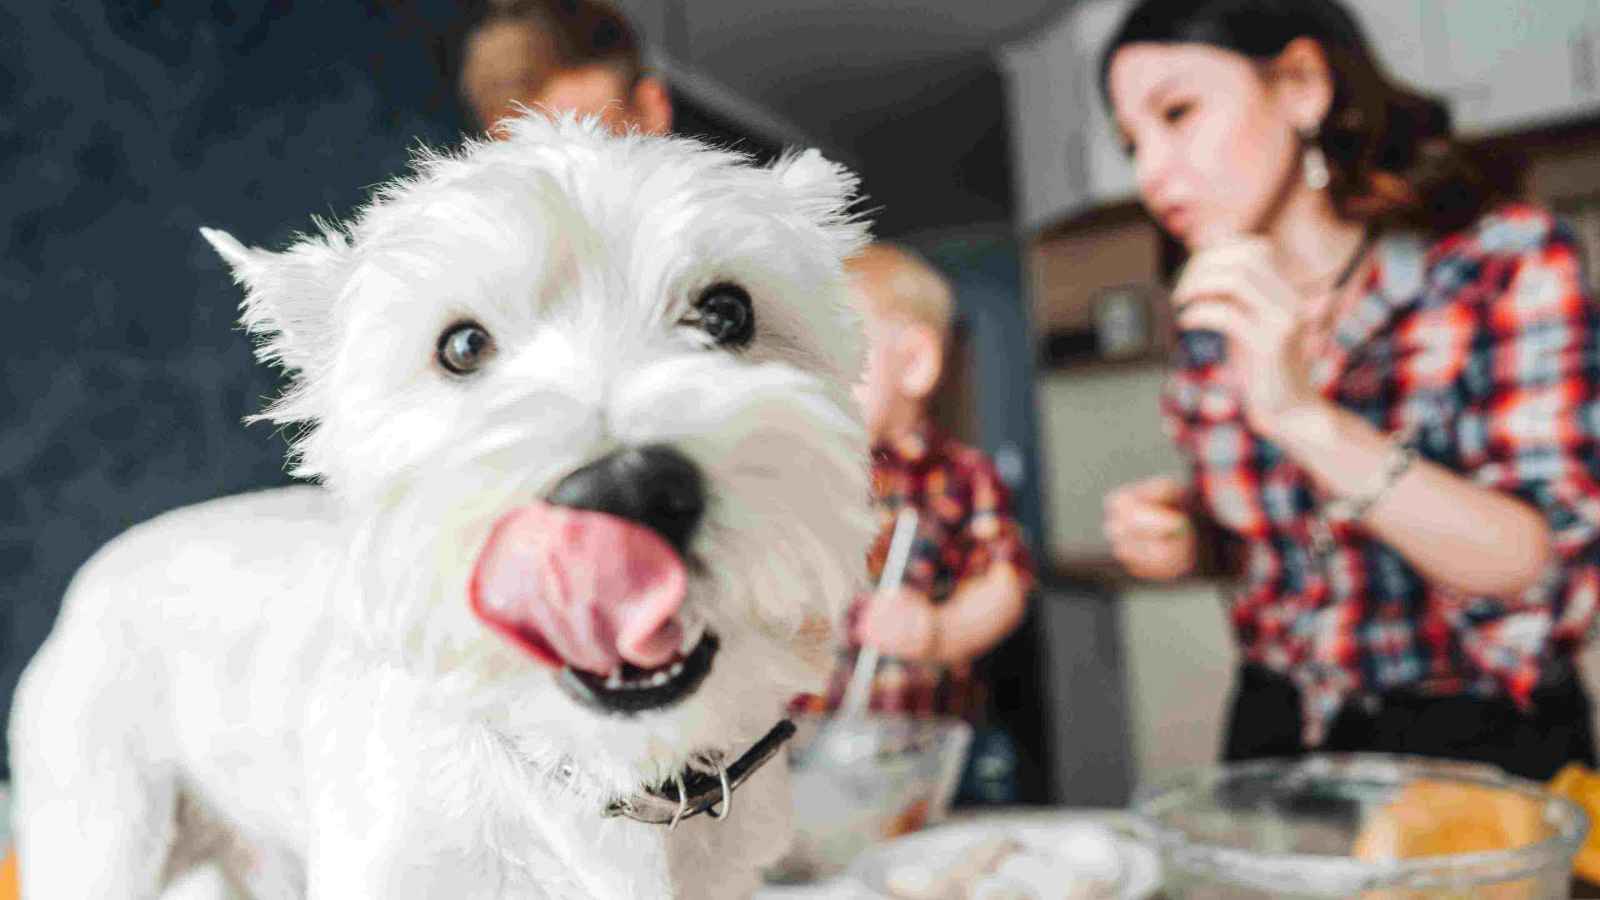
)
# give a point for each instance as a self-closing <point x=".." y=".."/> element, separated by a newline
<point x="654" y="485"/>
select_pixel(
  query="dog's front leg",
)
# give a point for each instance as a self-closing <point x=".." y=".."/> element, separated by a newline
<point x="382" y="825"/>
<point x="384" y="863"/>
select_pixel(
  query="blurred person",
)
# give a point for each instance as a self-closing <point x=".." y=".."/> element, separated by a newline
<point x="965" y="585"/>
<point x="1385" y="390"/>
<point x="580" y="56"/>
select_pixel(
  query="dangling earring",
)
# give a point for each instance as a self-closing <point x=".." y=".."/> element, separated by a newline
<point x="1313" y="164"/>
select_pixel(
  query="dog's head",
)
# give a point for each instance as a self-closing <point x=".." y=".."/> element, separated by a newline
<point x="586" y="399"/>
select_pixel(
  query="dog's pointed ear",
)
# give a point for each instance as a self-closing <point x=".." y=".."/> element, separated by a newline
<point x="288" y="296"/>
<point x="826" y="192"/>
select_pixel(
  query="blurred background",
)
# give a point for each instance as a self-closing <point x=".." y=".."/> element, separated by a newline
<point x="981" y="141"/>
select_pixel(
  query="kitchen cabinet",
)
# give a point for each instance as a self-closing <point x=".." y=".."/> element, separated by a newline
<point x="1503" y="66"/>
<point x="1065" y="150"/>
<point x="1099" y="429"/>
<point x="1110" y="171"/>
<point x="1043" y="103"/>
<point x="1397" y="31"/>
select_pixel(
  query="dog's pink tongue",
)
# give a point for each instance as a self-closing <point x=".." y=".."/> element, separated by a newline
<point x="581" y="588"/>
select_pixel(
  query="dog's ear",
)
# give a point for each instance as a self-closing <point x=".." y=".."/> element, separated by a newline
<point x="288" y="297"/>
<point x="826" y="192"/>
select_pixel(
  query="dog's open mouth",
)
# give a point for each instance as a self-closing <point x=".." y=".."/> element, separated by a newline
<point x="630" y="689"/>
<point x="599" y="598"/>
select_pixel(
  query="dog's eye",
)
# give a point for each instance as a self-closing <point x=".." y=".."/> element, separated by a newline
<point x="464" y="347"/>
<point x="724" y="312"/>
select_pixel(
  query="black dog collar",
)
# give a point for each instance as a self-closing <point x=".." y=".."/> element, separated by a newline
<point x="692" y="793"/>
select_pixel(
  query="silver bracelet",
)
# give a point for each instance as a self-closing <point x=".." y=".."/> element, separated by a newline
<point x="1400" y="459"/>
<point x="1401" y="456"/>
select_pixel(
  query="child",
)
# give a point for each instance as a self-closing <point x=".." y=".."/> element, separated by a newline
<point x="966" y="583"/>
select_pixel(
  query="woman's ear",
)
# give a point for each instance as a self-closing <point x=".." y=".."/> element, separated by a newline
<point x="921" y="360"/>
<point x="1302" y="82"/>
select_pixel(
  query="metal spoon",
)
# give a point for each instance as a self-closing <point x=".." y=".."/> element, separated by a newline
<point x="858" y="692"/>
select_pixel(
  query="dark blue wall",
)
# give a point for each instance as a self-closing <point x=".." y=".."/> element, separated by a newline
<point x="122" y="129"/>
<point x="986" y="272"/>
<point x="126" y="125"/>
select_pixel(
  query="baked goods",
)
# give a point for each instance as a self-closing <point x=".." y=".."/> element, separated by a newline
<point x="1434" y="818"/>
<point x="1581" y="785"/>
<point x="1080" y="862"/>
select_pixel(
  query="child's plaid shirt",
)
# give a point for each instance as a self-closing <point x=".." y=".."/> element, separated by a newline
<point x="964" y="525"/>
<point x="1482" y="348"/>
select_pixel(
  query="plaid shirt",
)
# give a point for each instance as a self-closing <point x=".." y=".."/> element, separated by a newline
<point x="1481" y="349"/>
<point x="964" y="525"/>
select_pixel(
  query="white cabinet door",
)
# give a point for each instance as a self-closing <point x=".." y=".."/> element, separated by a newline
<point x="1046" y="134"/>
<point x="1395" y="31"/>
<point x="1065" y="153"/>
<point x="1110" y="172"/>
<point x="1511" y="64"/>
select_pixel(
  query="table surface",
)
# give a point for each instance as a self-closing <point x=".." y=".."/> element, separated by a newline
<point x="844" y="888"/>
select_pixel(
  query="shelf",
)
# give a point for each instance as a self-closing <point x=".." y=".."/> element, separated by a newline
<point x="1095" y="365"/>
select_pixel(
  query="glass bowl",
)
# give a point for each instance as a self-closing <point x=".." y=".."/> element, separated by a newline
<point x="859" y="782"/>
<point x="1328" y="826"/>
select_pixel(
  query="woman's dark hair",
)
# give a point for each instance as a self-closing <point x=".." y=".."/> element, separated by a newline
<point x="1392" y="158"/>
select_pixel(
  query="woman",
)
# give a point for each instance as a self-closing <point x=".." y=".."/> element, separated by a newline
<point x="1386" y="390"/>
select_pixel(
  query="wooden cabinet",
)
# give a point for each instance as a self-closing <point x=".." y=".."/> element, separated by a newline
<point x="1067" y="269"/>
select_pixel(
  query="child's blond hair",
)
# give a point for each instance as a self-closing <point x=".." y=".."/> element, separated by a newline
<point x="895" y="281"/>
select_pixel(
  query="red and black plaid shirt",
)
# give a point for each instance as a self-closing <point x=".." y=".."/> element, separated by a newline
<point x="1484" y="351"/>
<point x="964" y="525"/>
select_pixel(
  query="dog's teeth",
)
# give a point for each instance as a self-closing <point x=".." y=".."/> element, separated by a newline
<point x="659" y="679"/>
<point x="614" y="682"/>
<point x="676" y="670"/>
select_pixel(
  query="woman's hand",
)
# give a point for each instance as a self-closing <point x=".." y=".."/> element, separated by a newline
<point x="900" y="623"/>
<point x="1236" y="289"/>
<point x="1151" y="534"/>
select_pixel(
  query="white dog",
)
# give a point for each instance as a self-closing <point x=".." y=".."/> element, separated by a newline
<point x="594" y="494"/>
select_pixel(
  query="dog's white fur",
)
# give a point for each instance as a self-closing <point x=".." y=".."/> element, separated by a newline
<point x="292" y="680"/>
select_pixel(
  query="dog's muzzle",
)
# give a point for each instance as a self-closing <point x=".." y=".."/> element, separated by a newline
<point x="693" y="793"/>
<point x="591" y="581"/>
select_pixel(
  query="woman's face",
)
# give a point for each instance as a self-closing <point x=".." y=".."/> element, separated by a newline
<point x="1211" y="145"/>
